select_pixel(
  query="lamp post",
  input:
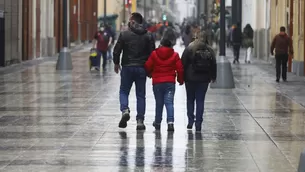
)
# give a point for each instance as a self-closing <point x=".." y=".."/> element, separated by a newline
<point x="64" y="61"/>
<point x="206" y="13"/>
<point x="225" y="79"/>
<point x="198" y="11"/>
<point x="144" y="9"/>
<point x="222" y="42"/>
<point x="105" y="10"/>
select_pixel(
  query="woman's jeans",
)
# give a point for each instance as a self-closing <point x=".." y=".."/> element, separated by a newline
<point x="195" y="92"/>
<point x="164" y="95"/>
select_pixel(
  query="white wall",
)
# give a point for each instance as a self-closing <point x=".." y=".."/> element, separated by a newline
<point x="46" y="26"/>
<point x="228" y="3"/>
<point x="254" y="13"/>
<point x="257" y="14"/>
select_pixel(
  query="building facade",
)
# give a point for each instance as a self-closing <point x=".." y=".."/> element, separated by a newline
<point x="298" y="37"/>
<point x="11" y="42"/>
<point x="114" y="7"/>
<point x="290" y="14"/>
<point x="83" y="19"/>
<point x="257" y="14"/>
<point x="34" y="28"/>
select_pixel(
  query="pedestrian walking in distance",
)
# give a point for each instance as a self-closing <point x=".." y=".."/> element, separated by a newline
<point x="248" y="35"/>
<point x="136" y="45"/>
<point x="282" y="46"/>
<point x="163" y="66"/>
<point x="236" y="41"/>
<point x="200" y="69"/>
<point x="102" y="41"/>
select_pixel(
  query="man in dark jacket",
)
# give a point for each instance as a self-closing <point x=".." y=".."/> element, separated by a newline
<point x="137" y="46"/>
<point x="236" y="41"/>
<point x="197" y="82"/>
<point x="282" y="44"/>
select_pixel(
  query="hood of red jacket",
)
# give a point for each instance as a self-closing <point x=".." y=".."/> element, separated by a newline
<point x="165" y="52"/>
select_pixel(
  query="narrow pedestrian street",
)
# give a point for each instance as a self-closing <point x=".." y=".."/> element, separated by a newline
<point x="53" y="121"/>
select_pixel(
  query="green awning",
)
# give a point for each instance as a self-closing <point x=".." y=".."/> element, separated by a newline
<point x="108" y="17"/>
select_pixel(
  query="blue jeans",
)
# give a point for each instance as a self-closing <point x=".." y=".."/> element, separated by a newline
<point x="130" y="75"/>
<point x="164" y="95"/>
<point x="109" y="53"/>
<point x="195" y="92"/>
<point x="100" y="54"/>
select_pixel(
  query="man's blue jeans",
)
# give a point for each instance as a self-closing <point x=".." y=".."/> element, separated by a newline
<point x="195" y="92"/>
<point x="164" y="95"/>
<point x="130" y="75"/>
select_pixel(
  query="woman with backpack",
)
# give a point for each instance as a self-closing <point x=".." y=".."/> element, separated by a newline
<point x="163" y="65"/>
<point x="248" y="35"/>
<point x="200" y="69"/>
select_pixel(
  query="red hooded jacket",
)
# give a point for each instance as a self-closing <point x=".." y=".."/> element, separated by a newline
<point x="163" y="65"/>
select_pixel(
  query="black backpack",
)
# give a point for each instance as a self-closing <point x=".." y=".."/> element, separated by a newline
<point x="202" y="61"/>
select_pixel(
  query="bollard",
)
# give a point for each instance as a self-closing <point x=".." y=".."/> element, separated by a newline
<point x="302" y="162"/>
<point x="64" y="61"/>
<point x="225" y="79"/>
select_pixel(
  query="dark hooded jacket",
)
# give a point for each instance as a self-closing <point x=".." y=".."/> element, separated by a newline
<point x="282" y="44"/>
<point x="136" y="44"/>
<point x="248" y="36"/>
<point x="237" y="35"/>
<point x="188" y="58"/>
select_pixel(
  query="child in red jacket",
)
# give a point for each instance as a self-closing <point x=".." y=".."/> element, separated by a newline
<point x="163" y="65"/>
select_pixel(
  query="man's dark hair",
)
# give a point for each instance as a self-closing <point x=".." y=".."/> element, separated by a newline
<point x="137" y="17"/>
<point x="283" y="29"/>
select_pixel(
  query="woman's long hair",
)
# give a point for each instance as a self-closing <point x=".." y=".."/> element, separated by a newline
<point x="248" y="31"/>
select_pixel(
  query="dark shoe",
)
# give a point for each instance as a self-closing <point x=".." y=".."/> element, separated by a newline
<point x="198" y="129"/>
<point x="97" y="69"/>
<point x="249" y="62"/>
<point x="140" y="125"/>
<point x="285" y="80"/>
<point x="157" y="126"/>
<point x="234" y="61"/>
<point x="277" y="80"/>
<point x="170" y="127"/>
<point x="124" y="119"/>
<point x="190" y="126"/>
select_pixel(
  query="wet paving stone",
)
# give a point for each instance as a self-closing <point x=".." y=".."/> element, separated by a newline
<point x="53" y="121"/>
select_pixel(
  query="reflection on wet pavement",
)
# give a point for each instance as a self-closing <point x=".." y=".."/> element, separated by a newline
<point x="67" y="121"/>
